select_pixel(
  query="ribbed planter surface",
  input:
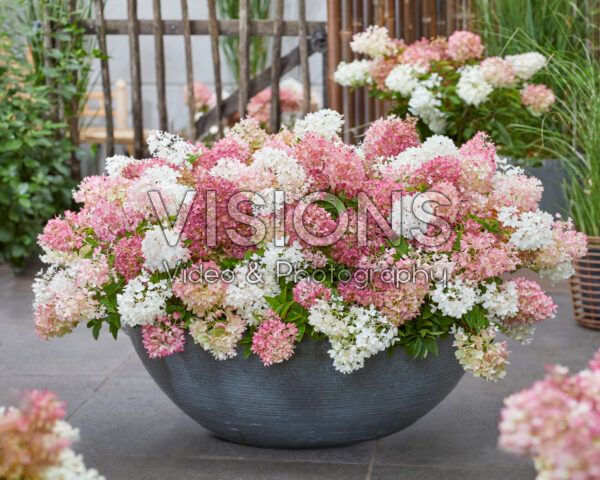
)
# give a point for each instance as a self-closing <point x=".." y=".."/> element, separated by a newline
<point x="303" y="402"/>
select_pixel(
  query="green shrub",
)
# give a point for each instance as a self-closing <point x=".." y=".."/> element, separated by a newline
<point x="38" y="162"/>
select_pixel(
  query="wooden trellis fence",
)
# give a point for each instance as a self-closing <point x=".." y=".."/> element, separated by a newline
<point x="311" y="39"/>
<point x="408" y="19"/>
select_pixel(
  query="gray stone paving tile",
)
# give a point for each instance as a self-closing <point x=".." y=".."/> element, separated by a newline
<point x="127" y="468"/>
<point x="132" y="416"/>
<point x="72" y="390"/>
<point x="387" y="472"/>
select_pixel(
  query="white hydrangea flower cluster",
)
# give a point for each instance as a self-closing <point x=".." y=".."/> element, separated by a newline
<point x="169" y="146"/>
<point x="114" y="165"/>
<point x="259" y="277"/>
<point x="562" y="271"/>
<point x="355" y="334"/>
<point x="326" y="123"/>
<point x="405" y="213"/>
<point x="519" y="332"/>
<point x="472" y="86"/>
<point x="162" y="248"/>
<point x="501" y="302"/>
<point x="533" y="229"/>
<point x="425" y="104"/>
<point x="143" y="301"/>
<point x="479" y="354"/>
<point x="403" y="79"/>
<point x="290" y="176"/>
<point x="413" y="157"/>
<point x="161" y="179"/>
<point x="455" y="299"/>
<point x="375" y="42"/>
<point x="71" y="467"/>
<point x="353" y="74"/>
<point x="526" y="65"/>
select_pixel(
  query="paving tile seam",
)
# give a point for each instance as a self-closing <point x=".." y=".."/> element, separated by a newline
<point x="100" y="385"/>
<point x="229" y="459"/>
<point x="455" y="467"/>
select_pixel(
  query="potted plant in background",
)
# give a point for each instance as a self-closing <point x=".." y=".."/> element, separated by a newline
<point x="311" y="257"/>
<point x="451" y="89"/>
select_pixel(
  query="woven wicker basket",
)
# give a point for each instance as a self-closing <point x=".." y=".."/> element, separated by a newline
<point x="585" y="286"/>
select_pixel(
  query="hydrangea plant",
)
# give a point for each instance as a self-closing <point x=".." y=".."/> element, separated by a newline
<point x="263" y="241"/>
<point x="452" y="90"/>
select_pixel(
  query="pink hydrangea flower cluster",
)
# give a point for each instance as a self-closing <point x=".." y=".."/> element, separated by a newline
<point x="368" y="240"/>
<point x="306" y="292"/>
<point x="533" y="304"/>
<point x="204" y="98"/>
<point x="463" y="46"/>
<point x="35" y="440"/>
<point x="274" y="340"/>
<point x="537" y="98"/>
<point x="259" y="106"/>
<point x="556" y="422"/>
<point x="163" y="339"/>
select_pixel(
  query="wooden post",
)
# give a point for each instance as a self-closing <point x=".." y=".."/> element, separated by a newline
<point x="275" y="120"/>
<point x="101" y="32"/>
<point x="73" y="111"/>
<point x="359" y="93"/>
<point x="303" y="43"/>
<point x="334" y="17"/>
<point x="136" y="78"/>
<point x="348" y="100"/>
<point x="189" y="68"/>
<point x="216" y="56"/>
<point x="159" y="55"/>
<point x="244" y="54"/>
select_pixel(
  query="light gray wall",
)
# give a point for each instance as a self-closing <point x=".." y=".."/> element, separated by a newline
<point x="118" y="48"/>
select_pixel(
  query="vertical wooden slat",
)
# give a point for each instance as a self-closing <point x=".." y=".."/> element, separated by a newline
<point x="406" y="10"/>
<point x="74" y="110"/>
<point x="433" y="16"/>
<point x="450" y="17"/>
<point x="216" y="56"/>
<point x="359" y="93"/>
<point x="101" y="32"/>
<point x="189" y="67"/>
<point x="244" y="54"/>
<point x="426" y="19"/>
<point x="347" y="57"/>
<point x="159" y="53"/>
<point x="303" y="39"/>
<point x="334" y="52"/>
<point x="136" y="78"/>
<point x="369" y="20"/>
<point x="390" y="16"/>
<point x="275" y="120"/>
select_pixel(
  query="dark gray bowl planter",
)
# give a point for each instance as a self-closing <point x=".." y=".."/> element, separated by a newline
<point x="304" y="402"/>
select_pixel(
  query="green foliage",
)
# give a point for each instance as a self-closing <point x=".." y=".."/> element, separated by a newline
<point x="35" y="152"/>
<point x="419" y="336"/>
<point x="259" y="46"/>
<point x="554" y="25"/>
<point x="577" y="140"/>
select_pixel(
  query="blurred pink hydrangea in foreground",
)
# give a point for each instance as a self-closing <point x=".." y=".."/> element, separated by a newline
<point x="557" y="422"/>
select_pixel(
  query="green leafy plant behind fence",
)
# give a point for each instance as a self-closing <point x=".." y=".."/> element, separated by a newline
<point x="259" y="46"/>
